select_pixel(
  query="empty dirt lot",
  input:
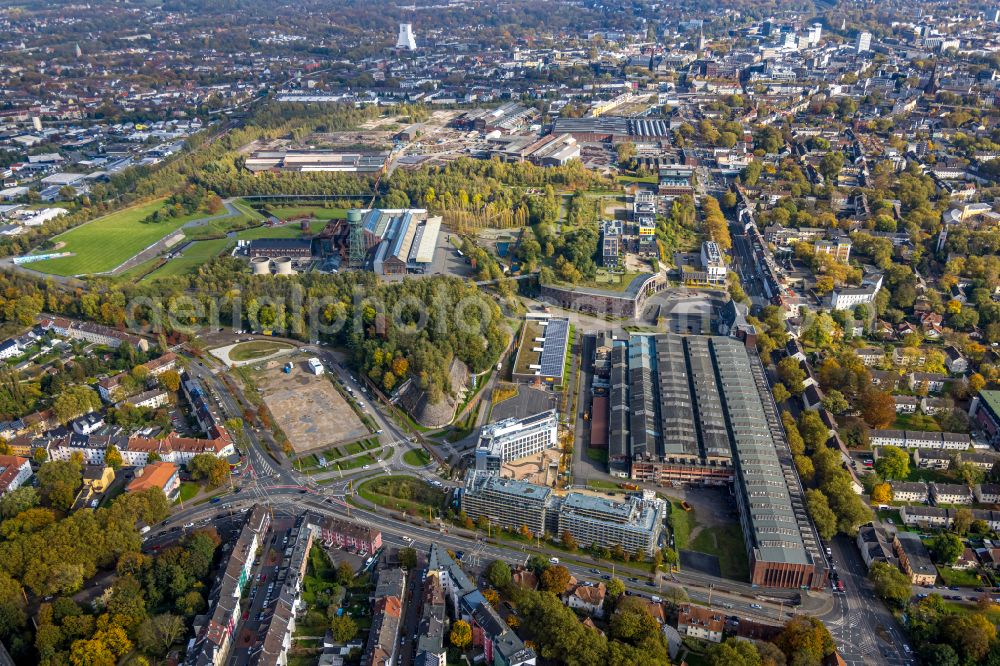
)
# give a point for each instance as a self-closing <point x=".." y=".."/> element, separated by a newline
<point x="308" y="408"/>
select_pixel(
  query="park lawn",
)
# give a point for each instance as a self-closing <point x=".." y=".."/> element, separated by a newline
<point x="354" y="448"/>
<point x="216" y="229"/>
<point x="333" y="453"/>
<point x="248" y="210"/>
<point x="354" y="463"/>
<point x="416" y="457"/>
<point x="929" y="475"/>
<point x="651" y="179"/>
<point x="318" y="212"/>
<point x="601" y="484"/>
<point x="920" y="422"/>
<point x="681" y="522"/>
<point x="187" y="490"/>
<point x="321" y="576"/>
<point x="608" y="281"/>
<point x="196" y="255"/>
<point x="959" y="577"/>
<point x="248" y="351"/>
<point x="726" y="543"/>
<point x="108" y="241"/>
<point x="992" y="613"/>
<point x="597" y="455"/>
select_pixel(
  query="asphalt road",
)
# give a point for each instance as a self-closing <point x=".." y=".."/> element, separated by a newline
<point x="864" y="629"/>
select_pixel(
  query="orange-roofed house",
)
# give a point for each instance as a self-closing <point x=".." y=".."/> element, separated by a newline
<point x="162" y="475"/>
<point x="14" y="471"/>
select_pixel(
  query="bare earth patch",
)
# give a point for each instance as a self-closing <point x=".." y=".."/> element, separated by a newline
<point x="308" y="408"/>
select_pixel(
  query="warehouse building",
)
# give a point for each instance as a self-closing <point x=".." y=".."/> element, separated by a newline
<point x="511" y="439"/>
<point x="549" y="150"/>
<point x="396" y="241"/>
<point x="273" y="248"/>
<point x="626" y="304"/>
<point x="615" y="129"/>
<point x="315" y="160"/>
<point x="693" y="409"/>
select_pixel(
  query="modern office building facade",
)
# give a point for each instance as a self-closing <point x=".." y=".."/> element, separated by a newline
<point x="511" y="439"/>
<point x="635" y="525"/>
<point x="505" y="502"/>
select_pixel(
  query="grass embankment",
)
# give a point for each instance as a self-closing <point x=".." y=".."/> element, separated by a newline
<point x="299" y="212"/>
<point x="248" y="351"/>
<point x="416" y="457"/>
<point x="402" y="493"/>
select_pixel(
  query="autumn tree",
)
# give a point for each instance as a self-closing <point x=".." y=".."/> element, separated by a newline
<point x="207" y="467"/>
<point x="819" y="510"/>
<point x="791" y="375"/>
<point x="461" y="634"/>
<point x="881" y="493"/>
<point x="555" y="579"/>
<point x="963" y="521"/>
<point x="170" y="380"/>
<point x="878" y="408"/>
<point x="945" y="547"/>
<point x="805" y="639"/>
<point x="59" y="480"/>
<point x="970" y="634"/>
<point x="343" y="627"/>
<point x="113" y="457"/>
<point x="891" y="584"/>
<point x="733" y="652"/>
<point x="158" y="633"/>
<point x="893" y="463"/>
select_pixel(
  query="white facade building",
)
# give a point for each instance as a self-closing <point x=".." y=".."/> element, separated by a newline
<point x="864" y="42"/>
<point x="405" y="39"/>
<point x="511" y="439"/>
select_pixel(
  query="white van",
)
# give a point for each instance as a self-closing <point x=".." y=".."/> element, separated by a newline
<point x="553" y="560"/>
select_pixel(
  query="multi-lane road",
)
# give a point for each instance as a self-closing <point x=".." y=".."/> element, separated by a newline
<point x="864" y="629"/>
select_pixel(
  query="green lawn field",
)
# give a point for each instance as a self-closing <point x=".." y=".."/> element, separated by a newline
<point x="108" y="241"/>
<point x="195" y="255"/>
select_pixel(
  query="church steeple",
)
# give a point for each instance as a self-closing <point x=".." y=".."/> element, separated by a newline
<point x="932" y="84"/>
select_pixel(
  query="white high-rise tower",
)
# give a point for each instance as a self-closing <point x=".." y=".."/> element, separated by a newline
<point x="405" y="40"/>
<point x="864" y="42"/>
<point x="815" y="32"/>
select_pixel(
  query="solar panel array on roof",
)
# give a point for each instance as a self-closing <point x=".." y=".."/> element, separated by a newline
<point x="553" y="356"/>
